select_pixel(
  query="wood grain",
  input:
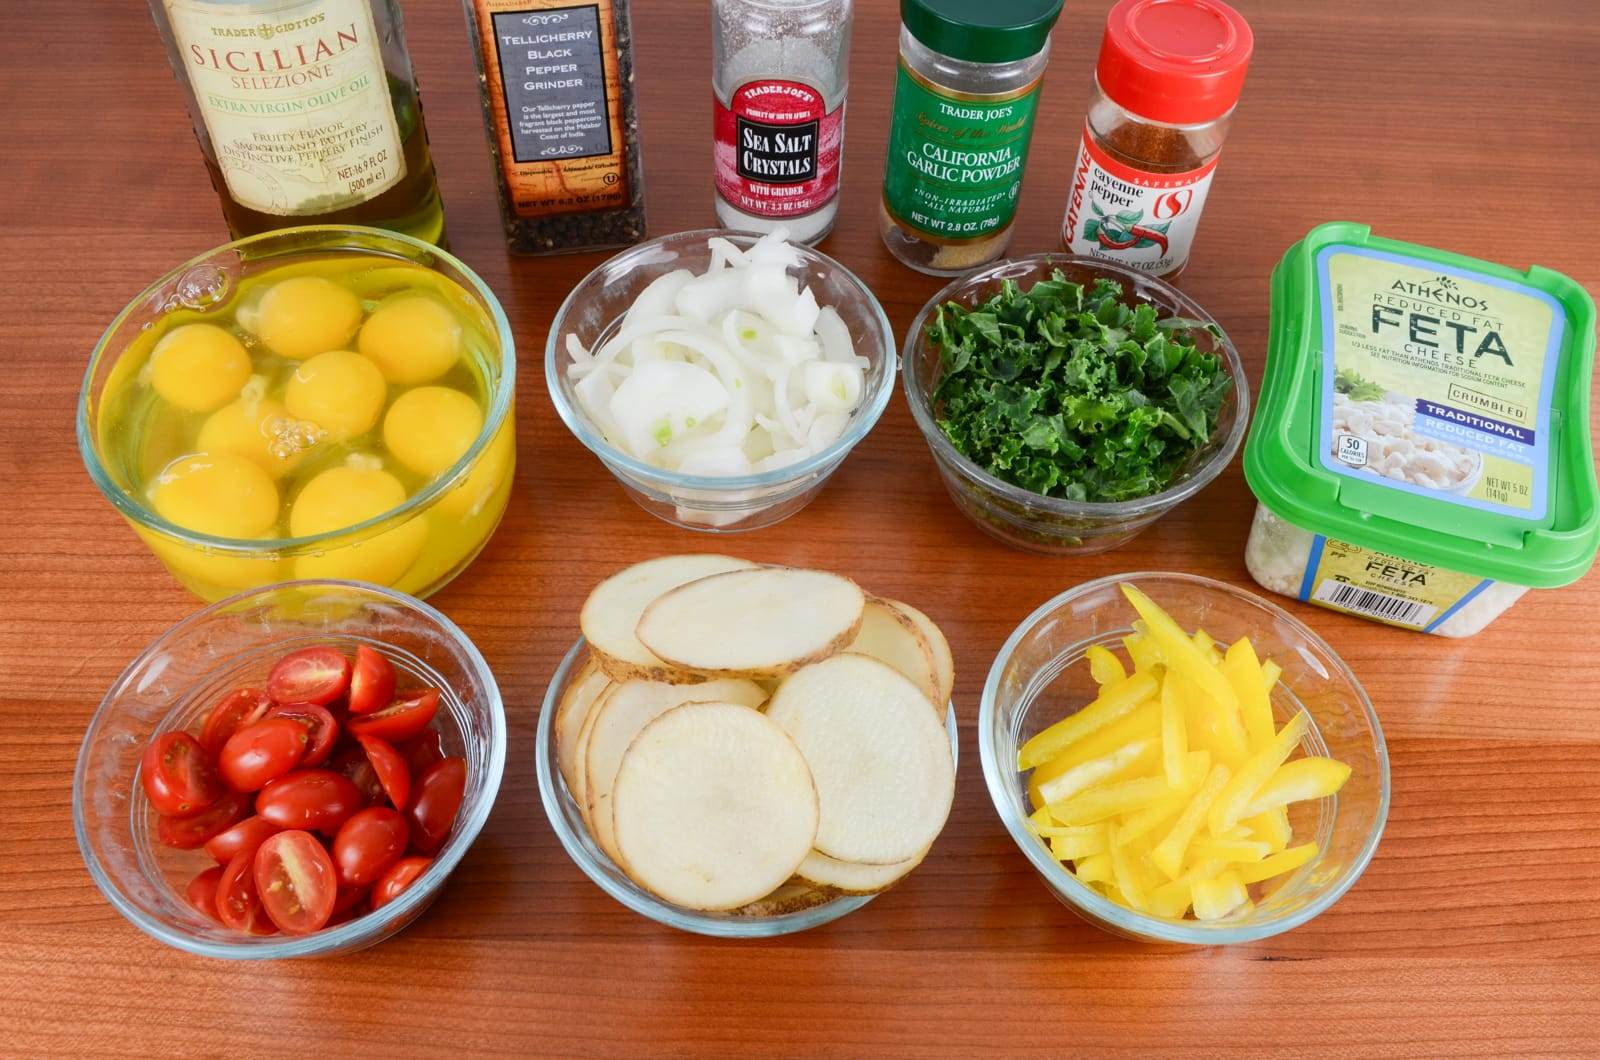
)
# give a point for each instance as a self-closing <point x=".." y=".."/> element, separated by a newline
<point x="1458" y="123"/>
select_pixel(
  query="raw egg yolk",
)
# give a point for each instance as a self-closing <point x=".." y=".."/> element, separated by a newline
<point x="221" y="494"/>
<point x="339" y="391"/>
<point x="199" y="367"/>
<point x="343" y="496"/>
<point x="255" y="430"/>
<point x="307" y="315"/>
<point x="413" y="338"/>
<point x="431" y="427"/>
<point x="468" y="497"/>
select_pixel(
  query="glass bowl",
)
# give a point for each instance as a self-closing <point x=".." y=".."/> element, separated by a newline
<point x="797" y="906"/>
<point x="174" y="683"/>
<point x="416" y="547"/>
<point x="1039" y="676"/>
<point x="594" y="311"/>
<point x="1054" y="525"/>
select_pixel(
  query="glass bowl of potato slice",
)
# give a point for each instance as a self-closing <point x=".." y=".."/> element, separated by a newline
<point x="1183" y="761"/>
<point x="707" y="762"/>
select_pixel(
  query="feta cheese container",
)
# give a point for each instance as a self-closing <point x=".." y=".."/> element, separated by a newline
<point x="1421" y="453"/>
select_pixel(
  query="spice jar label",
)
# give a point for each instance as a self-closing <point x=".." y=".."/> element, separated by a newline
<point x="1437" y="381"/>
<point x="295" y="100"/>
<point x="1141" y="220"/>
<point x="555" y="104"/>
<point x="955" y="159"/>
<point x="777" y="149"/>
<point x="1389" y="589"/>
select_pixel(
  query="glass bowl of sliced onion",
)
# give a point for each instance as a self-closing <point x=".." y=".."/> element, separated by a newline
<point x="721" y="377"/>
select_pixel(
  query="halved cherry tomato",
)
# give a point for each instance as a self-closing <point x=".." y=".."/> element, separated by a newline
<point x="401" y="874"/>
<point x="238" y="901"/>
<point x="423" y="750"/>
<point x="178" y="778"/>
<point x="202" y="892"/>
<point x="317" y="800"/>
<point x="434" y="805"/>
<point x="371" y="681"/>
<point x="241" y="707"/>
<point x="295" y="879"/>
<point x="321" y="728"/>
<point x="402" y="719"/>
<point x="246" y="835"/>
<point x="390" y="765"/>
<point x="187" y="833"/>
<point x="367" y="844"/>
<point x="354" y="766"/>
<point x="310" y="675"/>
<point x="260" y="752"/>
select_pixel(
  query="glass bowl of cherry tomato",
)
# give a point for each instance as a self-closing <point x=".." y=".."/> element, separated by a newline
<point x="293" y="771"/>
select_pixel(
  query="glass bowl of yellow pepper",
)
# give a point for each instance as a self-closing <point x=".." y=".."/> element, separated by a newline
<point x="1183" y="761"/>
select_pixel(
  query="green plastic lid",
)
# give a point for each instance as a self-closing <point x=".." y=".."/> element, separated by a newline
<point x="981" y="31"/>
<point x="1431" y="406"/>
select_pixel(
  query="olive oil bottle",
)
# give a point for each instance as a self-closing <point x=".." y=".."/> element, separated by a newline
<point x="306" y="111"/>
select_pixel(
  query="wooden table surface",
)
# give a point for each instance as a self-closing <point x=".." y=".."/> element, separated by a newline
<point x="1455" y="123"/>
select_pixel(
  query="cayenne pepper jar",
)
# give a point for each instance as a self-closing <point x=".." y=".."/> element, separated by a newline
<point x="780" y="69"/>
<point x="1166" y="84"/>
<point x="964" y="110"/>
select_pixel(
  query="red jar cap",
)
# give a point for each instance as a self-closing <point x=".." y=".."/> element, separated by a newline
<point x="1180" y="62"/>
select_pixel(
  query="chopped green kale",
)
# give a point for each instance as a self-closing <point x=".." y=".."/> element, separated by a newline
<point x="1071" y="393"/>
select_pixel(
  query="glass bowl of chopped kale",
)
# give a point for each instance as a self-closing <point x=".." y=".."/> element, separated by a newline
<point x="1069" y="402"/>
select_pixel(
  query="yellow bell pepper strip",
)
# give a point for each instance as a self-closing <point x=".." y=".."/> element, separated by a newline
<point x="1216" y="898"/>
<point x="1271" y="828"/>
<point x="1094" y="869"/>
<point x="1141" y="823"/>
<point x="1141" y="649"/>
<point x="1279" y="863"/>
<point x="1134" y="758"/>
<point x="1040" y="819"/>
<point x="1211" y="725"/>
<point x="1207" y="646"/>
<point x="1168" y="854"/>
<point x="1143" y="723"/>
<point x="1104" y="667"/>
<point x="1126" y="878"/>
<point x="1080" y="844"/>
<point x="1313" y="777"/>
<point x="1108" y="800"/>
<point x="1174" y="732"/>
<point x="1209" y="848"/>
<point x="1179" y="652"/>
<point x="1270" y="672"/>
<point x="1114" y="701"/>
<point x="1230" y="806"/>
<point x="1172" y="899"/>
<point x="1243" y="671"/>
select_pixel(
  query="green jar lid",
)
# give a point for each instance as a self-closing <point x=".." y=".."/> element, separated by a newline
<point x="981" y="31"/>
<point x="1430" y="406"/>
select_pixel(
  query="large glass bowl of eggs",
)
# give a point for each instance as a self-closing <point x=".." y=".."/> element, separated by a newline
<point x="320" y="402"/>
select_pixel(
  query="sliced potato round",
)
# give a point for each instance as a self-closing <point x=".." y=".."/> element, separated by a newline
<point x="880" y="758"/>
<point x="587" y="686"/>
<point x="944" y="661"/>
<point x="892" y="637"/>
<point x="580" y="771"/>
<point x="612" y="611"/>
<point x="791" y="897"/>
<point x="633" y="705"/>
<point x="854" y="877"/>
<point x="713" y="807"/>
<point x="764" y="622"/>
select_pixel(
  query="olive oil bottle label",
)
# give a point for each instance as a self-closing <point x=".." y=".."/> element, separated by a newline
<point x="955" y="159"/>
<point x="295" y="101"/>
<point x="1437" y="381"/>
<point x="1145" y="221"/>
<point x="554" y="100"/>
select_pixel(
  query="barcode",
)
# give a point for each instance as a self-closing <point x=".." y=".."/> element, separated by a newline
<point x="1400" y="611"/>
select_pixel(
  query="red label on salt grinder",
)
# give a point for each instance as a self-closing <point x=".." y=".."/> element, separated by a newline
<point x="777" y="149"/>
